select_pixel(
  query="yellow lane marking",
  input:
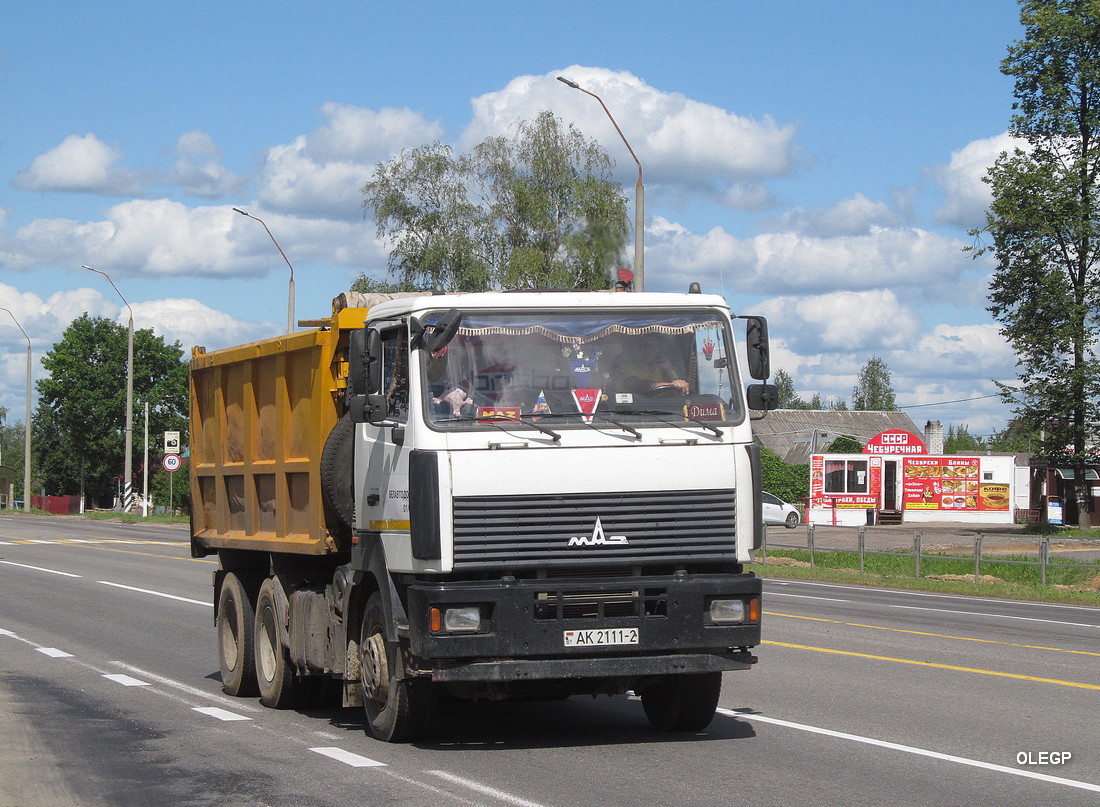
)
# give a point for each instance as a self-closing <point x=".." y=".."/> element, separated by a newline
<point x="935" y="665"/>
<point x="148" y="554"/>
<point x="102" y="548"/>
<point x="934" y="635"/>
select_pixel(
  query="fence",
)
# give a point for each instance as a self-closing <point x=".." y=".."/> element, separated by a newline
<point x="1043" y="560"/>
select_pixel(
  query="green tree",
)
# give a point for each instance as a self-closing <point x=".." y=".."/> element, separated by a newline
<point x="535" y="210"/>
<point x="959" y="440"/>
<point x="12" y="450"/>
<point x="788" y="398"/>
<point x="791" y="483"/>
<point x="1018" y="437"/>
<point x="874" y="390"/>
<point x="1043" y="224"/>
<point x="78" y="430"/>
<point x="845" y="444"/>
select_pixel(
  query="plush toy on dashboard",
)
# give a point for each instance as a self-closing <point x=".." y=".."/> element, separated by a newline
<point x="457" y="398"/>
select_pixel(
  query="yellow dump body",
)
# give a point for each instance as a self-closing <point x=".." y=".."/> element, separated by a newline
<point x="260" y="415"/>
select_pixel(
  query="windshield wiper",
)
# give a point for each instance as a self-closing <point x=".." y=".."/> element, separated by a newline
<point x="600" y="415"/>
<point x="662" y="416"/>
<point x="489" y="421"/>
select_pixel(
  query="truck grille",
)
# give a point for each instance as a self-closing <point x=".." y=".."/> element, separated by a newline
<point x="547" y="530"/>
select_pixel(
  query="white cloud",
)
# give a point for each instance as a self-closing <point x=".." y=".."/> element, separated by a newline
<point x="691" y="147"/>
<point x="188" y="321"/>
<point x="322" y="173"/>
<point x="163" y="237"/>
<point x="856" y="216"/>
<point x="968" y="196"/>
<point x="192" y="323"/>
<point x="971" y="352"/>
<point x="868" y="321"/>
<point x="789" y="261"/>
<point x="83" y="164"/>
<point x="198" y="170"/>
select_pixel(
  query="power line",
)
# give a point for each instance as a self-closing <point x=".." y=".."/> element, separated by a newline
<point x="942" y="403"/>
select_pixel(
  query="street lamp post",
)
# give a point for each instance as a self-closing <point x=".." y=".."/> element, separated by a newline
<point x="128" y="466"/>
<point x="290" y="294"/>
<point x="27" y="424"/>
<point x="639" y="192"/>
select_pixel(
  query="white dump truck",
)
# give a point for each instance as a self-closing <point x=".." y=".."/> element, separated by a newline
<point x="533" y="494"/>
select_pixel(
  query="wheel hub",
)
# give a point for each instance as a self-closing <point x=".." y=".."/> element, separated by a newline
<point x="375" y="669"/>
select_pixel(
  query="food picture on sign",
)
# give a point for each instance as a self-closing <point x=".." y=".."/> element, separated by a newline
<point x="945" y="483"/>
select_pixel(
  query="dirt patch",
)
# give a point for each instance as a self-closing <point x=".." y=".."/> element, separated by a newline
<point x="771" y="560"/>
<point x="966" y="578"/>
<point x="1091" y="585"/>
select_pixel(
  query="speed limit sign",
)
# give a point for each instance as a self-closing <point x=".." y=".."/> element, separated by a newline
<point x="171" y="462"/>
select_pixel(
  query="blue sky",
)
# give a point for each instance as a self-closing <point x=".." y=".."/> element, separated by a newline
<point x="817" y="162"/>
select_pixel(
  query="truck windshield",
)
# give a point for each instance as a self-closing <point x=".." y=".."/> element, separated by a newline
<point x="562" y="370"/>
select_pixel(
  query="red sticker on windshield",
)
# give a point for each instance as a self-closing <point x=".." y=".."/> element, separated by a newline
<point x="587" y="401"/>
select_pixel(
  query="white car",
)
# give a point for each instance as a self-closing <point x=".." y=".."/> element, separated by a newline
<point x="777" y="511"/>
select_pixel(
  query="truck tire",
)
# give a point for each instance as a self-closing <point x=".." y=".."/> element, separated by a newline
<point x="398" y="710"/>
<point x="275" y="676"/>
<point x="236" y="617"/>
<point x="682" y="702"/>
<point x="337" y="483"/>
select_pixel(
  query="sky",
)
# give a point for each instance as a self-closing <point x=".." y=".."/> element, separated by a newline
<point x="819" y="163"/>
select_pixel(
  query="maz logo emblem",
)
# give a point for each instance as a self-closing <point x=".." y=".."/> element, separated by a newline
<point x="597" y="538"/>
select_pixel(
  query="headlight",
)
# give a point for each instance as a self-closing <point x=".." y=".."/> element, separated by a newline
<point x="727" y="611"/>
<point x="464" y="619"/>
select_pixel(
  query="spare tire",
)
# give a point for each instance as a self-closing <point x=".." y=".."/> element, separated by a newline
<point x="337" y="482"/>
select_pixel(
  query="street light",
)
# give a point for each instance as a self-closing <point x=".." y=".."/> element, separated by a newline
<point x="639" y="192"/>
<point x="290" y="295"/>
<point x="27" y="436"/>
<point x="127" y="472"/>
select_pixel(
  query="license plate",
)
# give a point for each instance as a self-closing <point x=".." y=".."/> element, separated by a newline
<point x="601" y="637"/>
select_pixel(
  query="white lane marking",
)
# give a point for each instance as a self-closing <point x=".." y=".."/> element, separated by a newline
<point x="126" y="680"/>
<point x="909" y="749"/>
<point x="994" y="616"/>
<point x="53" y="652"/>
<point x="158" y="593"/>
<point x="348" y="758"/>
<point x="805" y="596"/>
<point x="219" y="713"/>
<point x="486" y="790"/>
<point x="190" y="690"/>
<point x="6" y="632"/>
<point x="866" y="589"/>
<point x="38" y="568"/>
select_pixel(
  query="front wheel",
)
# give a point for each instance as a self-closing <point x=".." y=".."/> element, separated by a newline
<point x="792" y="521"/>
<point x="398" y="710"/>
<point x="682" y="702"/>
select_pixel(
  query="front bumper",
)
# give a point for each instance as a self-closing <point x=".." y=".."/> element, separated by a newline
<point x="524" y="622"/>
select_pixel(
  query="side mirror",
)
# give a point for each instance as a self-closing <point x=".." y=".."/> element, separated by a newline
<point x="763" y="397"/>
<point x="756" y="348"/>
<point x="374" y="402"/>
<point x="437" y="336"/>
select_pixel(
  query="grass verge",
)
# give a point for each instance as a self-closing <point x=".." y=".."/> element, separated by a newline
<point x="1020" y="582"/>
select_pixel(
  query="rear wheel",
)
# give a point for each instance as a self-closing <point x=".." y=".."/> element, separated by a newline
<point x="274" y="672"/>
<point x="398" y="710"/>
<point x="236" y="615"/>
<point x="682" y="702"/>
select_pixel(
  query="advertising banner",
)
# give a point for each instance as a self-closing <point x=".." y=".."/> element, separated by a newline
<point x="950" y="484"/>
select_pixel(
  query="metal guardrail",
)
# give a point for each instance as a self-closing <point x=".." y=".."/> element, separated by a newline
<point x="1043" y="561"/>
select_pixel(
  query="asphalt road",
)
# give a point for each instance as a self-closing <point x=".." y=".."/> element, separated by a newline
<point x="109" y="695"/>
